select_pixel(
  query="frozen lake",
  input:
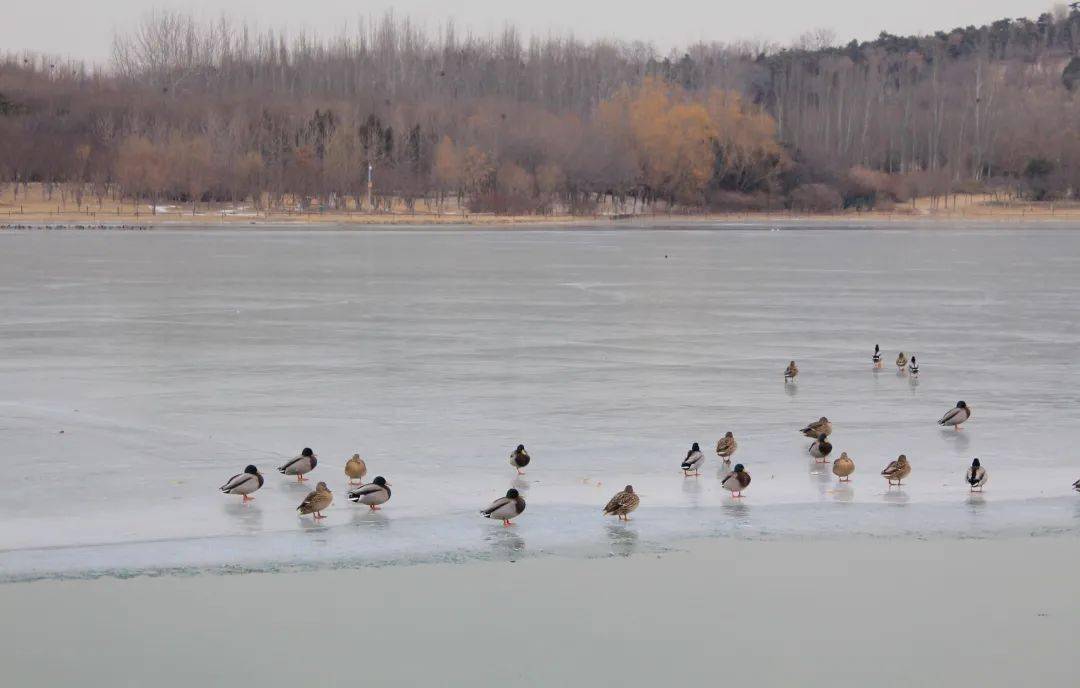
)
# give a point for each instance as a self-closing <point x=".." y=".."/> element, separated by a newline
<point x="141" y="369"/>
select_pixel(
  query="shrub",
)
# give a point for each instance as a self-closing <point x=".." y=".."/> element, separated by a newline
<point x="816" y="198"/>
<point x="736" y="202"/>
<point x="504" y="203"/>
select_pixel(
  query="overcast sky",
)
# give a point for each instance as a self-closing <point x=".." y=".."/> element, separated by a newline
<point x="83" y="28"/>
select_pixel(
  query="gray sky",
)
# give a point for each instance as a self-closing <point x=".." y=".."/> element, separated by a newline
<point x="83" y="28"/>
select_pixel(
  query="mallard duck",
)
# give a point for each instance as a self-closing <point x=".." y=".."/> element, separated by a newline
<point x="694" y="461"/>
<point x="877" y="356"/>
<point x="791" y="372"/>
<point x="976" y="476"/>
<point x="897" y="470"/>
<point x="843" y="467"/>
<point x="913" y="367"/>
<point x="506" y="508"/>
<point x="305" y="463"/>
<point x="901" y="361"/>
<point x="726" y="447"/>
<point x="736" y="481"/>
<point x="244" y="483"/>
<point x="820" y="449"/>
<point x="956" y="415"/>
<point x="520" y="458"/>
<point x="1076" y="486"/>
<point x="820" y="427"/>
<point x="356" y="469"/>
<point x="622" y="504"/>
<point x="373" y="494"/>
<point x="316" y="502"/>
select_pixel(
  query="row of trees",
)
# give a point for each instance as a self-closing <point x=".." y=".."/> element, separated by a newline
<point x="194" y="111"/>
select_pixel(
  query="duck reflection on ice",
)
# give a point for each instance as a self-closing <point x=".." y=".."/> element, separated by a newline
<point x="737" y="511"/>
<point x="843" y="492"/>
<point x="820" y="473"/>
<point x="959" y="440"/>
<point x="313" y="526"/>
<point x="623" y="539"/>
<point x="505" y="543"/>
<point x="896" y="495"/>
<point x="521" y="484"/>
<point x="376" y="520"/>
<point x="691" y="487"/>
<point x="976" y="501"/>
<point x="294" y="488"/>
<point x="249" y="515"/>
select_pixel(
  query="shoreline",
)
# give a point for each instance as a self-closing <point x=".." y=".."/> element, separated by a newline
<point x="37" y="207"/>
<point x="674" y="222"/>
<point x="838" y="613"/>
<point x="975" y="210"/>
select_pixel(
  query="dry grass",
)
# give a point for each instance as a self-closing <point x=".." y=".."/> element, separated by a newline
<point x="35" y="207"/>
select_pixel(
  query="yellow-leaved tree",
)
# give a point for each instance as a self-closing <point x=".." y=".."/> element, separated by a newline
<point x="748" y="151"/>
<point x="670" y="133"/>
<point x="688" y="143"/>
<point x="446" y="168"/>
<point x="141" y="168"/>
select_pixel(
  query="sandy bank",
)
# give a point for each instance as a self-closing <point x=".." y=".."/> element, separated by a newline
<point x="869" y="220"/>
<point x="976" y="210"/>
<point x="36" y="206"/>
<point x="841" y="613"/>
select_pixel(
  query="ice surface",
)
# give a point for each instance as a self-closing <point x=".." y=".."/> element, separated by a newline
<point x="141" y="369"/>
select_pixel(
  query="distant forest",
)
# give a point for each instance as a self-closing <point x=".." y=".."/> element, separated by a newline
<point x="212" y="111"/>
